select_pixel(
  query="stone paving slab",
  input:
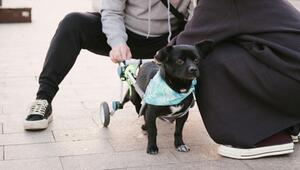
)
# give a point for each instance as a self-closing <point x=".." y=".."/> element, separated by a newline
<point x="79" y="134"/>
<point x="1" y="152"/>
<point x="14" y="123"/>
<point x="26" y="138"/>
<point x="139" y="142"/>
<point x="117" y="160"/>
<point x="44" y="150"/>
<point x="32" y="164"/>
<point x="207" y="165"/>
<point x="198" y="153"/>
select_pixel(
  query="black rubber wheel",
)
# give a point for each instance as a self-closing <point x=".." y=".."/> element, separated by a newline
<point x="104" y="114"/>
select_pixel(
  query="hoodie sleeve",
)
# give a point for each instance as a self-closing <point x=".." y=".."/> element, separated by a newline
<point x="112" y="18"/>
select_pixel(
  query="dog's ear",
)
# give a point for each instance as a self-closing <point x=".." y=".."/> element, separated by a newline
<point x="205" y="46"/>
<point x="162" y="55"/>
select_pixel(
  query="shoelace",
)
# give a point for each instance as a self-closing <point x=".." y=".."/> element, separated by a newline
<point x="39" y="107"/>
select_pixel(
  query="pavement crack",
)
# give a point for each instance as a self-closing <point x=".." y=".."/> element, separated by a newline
<point x="3" y="152"/>
<point x="61" y="163"/>
<point x="53" y="136"/>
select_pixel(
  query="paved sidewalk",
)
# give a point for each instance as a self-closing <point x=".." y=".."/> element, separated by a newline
<point x="76" y="140"/>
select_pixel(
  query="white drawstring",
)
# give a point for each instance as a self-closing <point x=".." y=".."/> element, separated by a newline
<point x="149" y="18"/>
<point x="169" y="22"/>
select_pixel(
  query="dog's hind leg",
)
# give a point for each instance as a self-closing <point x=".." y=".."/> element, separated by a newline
<point x="145" y="126"/>
<point x="134" y="97"/>
<point x="178" y="141"/>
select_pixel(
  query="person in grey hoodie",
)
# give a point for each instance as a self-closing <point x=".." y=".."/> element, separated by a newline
<point x="123" y="29"/>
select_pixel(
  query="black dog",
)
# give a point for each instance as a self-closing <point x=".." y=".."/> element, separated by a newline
<point x="178" y="68"/>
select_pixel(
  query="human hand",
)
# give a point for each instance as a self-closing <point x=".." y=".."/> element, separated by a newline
<point x="120" y="53"/>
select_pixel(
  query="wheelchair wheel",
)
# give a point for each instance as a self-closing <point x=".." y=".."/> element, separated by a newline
<point x="104" y="114"/>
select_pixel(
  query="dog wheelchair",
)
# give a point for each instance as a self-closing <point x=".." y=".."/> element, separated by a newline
<point x="127" y="72"/>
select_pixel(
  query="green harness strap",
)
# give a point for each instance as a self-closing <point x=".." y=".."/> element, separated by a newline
<point x="130" y="70"/>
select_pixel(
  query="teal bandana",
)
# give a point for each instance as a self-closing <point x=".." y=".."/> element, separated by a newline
<point x="160" y="94"/>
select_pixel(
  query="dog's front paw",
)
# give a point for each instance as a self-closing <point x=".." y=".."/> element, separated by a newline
<point x="152" y="150"/>
<point x="183" y="148"/>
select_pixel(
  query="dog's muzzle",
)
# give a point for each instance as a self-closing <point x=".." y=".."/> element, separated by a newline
<point x="193" y="71"/>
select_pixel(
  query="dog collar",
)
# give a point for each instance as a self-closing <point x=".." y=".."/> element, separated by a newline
<point x="159" y="93"/>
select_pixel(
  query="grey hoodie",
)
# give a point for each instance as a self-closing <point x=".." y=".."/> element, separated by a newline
<point x="144" y="17"/>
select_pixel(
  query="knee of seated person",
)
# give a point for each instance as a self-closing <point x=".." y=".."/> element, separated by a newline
<point x="226" y="56"/>
<point x="72" y="21"/>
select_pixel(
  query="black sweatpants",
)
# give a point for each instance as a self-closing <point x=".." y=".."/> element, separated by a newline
<point x="84" y="31"/>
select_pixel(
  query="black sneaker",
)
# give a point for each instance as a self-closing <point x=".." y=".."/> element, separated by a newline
<point x="39" y="115"/>
<point x="296" y="138"/>
<point x="295" y="133"/>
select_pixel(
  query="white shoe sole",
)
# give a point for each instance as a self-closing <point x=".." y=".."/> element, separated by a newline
<point x="253" y="153"/>
<point x="38" y="124"/>
<point x="295" y="138"/>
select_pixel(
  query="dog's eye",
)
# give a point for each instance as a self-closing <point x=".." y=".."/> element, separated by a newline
<point x="196" y="61"/>
<point x="179" y="62"/>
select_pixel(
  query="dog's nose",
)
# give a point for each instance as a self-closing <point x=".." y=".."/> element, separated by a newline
<point x="192" y="69"/>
